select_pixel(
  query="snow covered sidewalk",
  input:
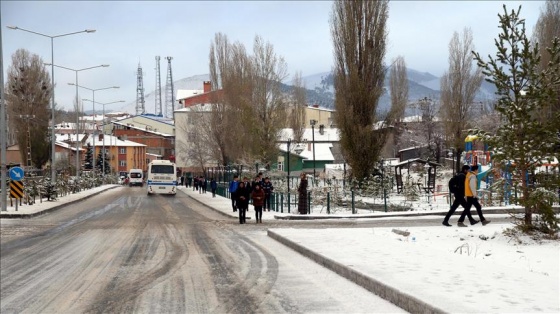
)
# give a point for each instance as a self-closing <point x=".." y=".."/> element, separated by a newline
<point x="438" y="269"/>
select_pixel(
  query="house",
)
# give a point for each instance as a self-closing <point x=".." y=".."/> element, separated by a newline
<point x="157" y="142"/>
<point x="122" y="154"/>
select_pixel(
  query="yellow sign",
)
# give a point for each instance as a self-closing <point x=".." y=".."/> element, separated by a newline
<point x="16" y="189"/>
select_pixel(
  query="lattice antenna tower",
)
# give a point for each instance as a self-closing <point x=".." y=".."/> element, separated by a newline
<point x="169" y="94"/>
<point x="158" y="110"/>
<point x="140" y="103"/>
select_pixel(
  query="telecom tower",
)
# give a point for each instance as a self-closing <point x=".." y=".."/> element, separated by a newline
<point x="158" y="110"/>
<point x="169" y="95"/>
<point x="140" y="108"/>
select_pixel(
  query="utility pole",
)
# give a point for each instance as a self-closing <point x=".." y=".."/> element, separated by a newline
<point x="3" y="134"/>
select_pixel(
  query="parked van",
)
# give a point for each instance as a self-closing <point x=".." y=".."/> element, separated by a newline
<point x="135" y="177"/>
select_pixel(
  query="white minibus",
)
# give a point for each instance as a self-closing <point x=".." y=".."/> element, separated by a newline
<point x="162" y="177"/>
<point x="135" y="177"/>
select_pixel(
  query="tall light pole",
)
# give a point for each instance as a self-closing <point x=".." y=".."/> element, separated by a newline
<point x="78" y="110"/>
<point x="3" y="134"/>
<point x="313" y="122"/>
<point x="53" y="138"/>
<point x="103" y="129"/>
<point x="93" y="101"/>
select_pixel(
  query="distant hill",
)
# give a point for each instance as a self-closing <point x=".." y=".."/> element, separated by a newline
<point x="320" y="90"/>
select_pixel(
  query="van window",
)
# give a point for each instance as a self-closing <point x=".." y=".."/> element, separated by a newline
<point x="135" y="175"/>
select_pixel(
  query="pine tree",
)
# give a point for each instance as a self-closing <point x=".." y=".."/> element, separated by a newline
<point x="523" y="90"/>
<point x="99" y="163"/>
<point x="88" y="162"/>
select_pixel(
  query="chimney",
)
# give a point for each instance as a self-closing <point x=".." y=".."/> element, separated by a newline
<point x="207" y="86"/>
<point x="315" y="106"/>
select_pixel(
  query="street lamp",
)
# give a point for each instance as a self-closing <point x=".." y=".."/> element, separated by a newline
<point x="313" y="122"/>
<point x="78" y="108"/>
<point x="298" y="150"/>
<point x="93" y="101"/>
<point x="103" y="128"/>
<point x="452" y="156"/>
<point x="427" y="167"/>
<point x="383" y="183"/>
<point x="52" y="37"/>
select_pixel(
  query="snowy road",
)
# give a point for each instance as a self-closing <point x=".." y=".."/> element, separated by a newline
<point x="122" y="251"/>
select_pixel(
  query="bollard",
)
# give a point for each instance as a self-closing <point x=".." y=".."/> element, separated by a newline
<point x="353" y="207"/>
<point x="309" y="202"/>
<point x="328" y="203"/>
<point x="288" y="202"/>
<point x="282" y="203"/>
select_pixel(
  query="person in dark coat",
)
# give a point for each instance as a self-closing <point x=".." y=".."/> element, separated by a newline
<point x="203" y="184"/>
<point x="459" y="195"/>
<point x="302" y="194"/>
<point x="213" y="186"/>
<point x="268" y="188"/>
<point x="195" y="184"/>
<point x="258" y="200"/>
<point x="242" y="202"/>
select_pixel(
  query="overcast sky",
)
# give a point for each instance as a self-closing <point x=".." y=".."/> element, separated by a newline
<point x="130" y="32"/>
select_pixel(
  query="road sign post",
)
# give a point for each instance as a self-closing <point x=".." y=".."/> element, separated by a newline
<point x="16" y="173"/>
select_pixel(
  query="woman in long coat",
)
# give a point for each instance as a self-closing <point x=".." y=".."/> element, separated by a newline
<point x="302" y="194"/>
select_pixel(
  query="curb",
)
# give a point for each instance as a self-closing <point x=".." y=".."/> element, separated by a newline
<point x="393" y="295"/>
<point x="48" y="210"/>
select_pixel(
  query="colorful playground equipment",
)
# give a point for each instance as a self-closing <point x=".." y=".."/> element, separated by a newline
<point x="476" y="151"/>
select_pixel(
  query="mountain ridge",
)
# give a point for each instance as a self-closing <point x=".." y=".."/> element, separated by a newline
<point x="320" y="90"/>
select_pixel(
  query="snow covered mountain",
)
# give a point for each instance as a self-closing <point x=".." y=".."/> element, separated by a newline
<point x="320" y="90"/>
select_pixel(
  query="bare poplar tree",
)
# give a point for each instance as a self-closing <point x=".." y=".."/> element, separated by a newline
<point x="459" y="85"/>
<point x="222" y="121"/>
<point x="27" y="96"/>
<point x="398" y="84"/>
<point x="546" y="29"/>
<point x="359" y="35"/>
<point x="297" y="112"/>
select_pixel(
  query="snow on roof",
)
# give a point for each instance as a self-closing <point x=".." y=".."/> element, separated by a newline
<point x="186" y="93"/>
<point x="111" y="140"/>
<point x="329" y="135"/>
<point x="142" y="129"/>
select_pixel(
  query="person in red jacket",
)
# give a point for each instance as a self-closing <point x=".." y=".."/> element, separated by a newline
<point x="258" y="200"/>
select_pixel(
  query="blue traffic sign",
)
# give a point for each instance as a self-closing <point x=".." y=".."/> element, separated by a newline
<point x="16" y="173"/>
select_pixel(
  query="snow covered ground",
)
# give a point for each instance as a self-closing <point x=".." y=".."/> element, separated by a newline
<point x="476" y="269"/>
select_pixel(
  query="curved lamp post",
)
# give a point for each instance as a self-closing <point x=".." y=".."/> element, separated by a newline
<point x="103" y="129"/>
<point x="93" y="101"/>
<point x="52" y="37"/>
<point x="78" y="109"/>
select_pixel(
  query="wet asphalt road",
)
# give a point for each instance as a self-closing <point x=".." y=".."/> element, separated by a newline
<point x="124" y="252"/>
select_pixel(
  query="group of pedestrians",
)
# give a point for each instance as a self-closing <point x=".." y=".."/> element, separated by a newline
<point x="259" y="191"/>
<point x="464" y="188"/>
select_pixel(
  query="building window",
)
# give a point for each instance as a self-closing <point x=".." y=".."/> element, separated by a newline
<point x="122" y="163"/>
<point x="280" y="166"/>
<point x="122" y="150"/>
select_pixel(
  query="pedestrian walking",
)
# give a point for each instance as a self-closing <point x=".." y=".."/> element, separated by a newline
<point x="471" y="185"/>
<point x="258" y="200"/>
<point x="457" y="187"/>
<point x="268" y="189"/>
<point x="242" y="202"/>
<point x="213" y="186"/>
<point x="195" y="184"/>
<point x="233" y="185"/>
<point x="182" y="180"/>
<point x="302" y="194"/>
<point x="203" y="184"/>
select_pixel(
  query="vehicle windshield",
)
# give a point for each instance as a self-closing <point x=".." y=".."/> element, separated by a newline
<point x="162" y="169"/>
<point x="135" y="175"/>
